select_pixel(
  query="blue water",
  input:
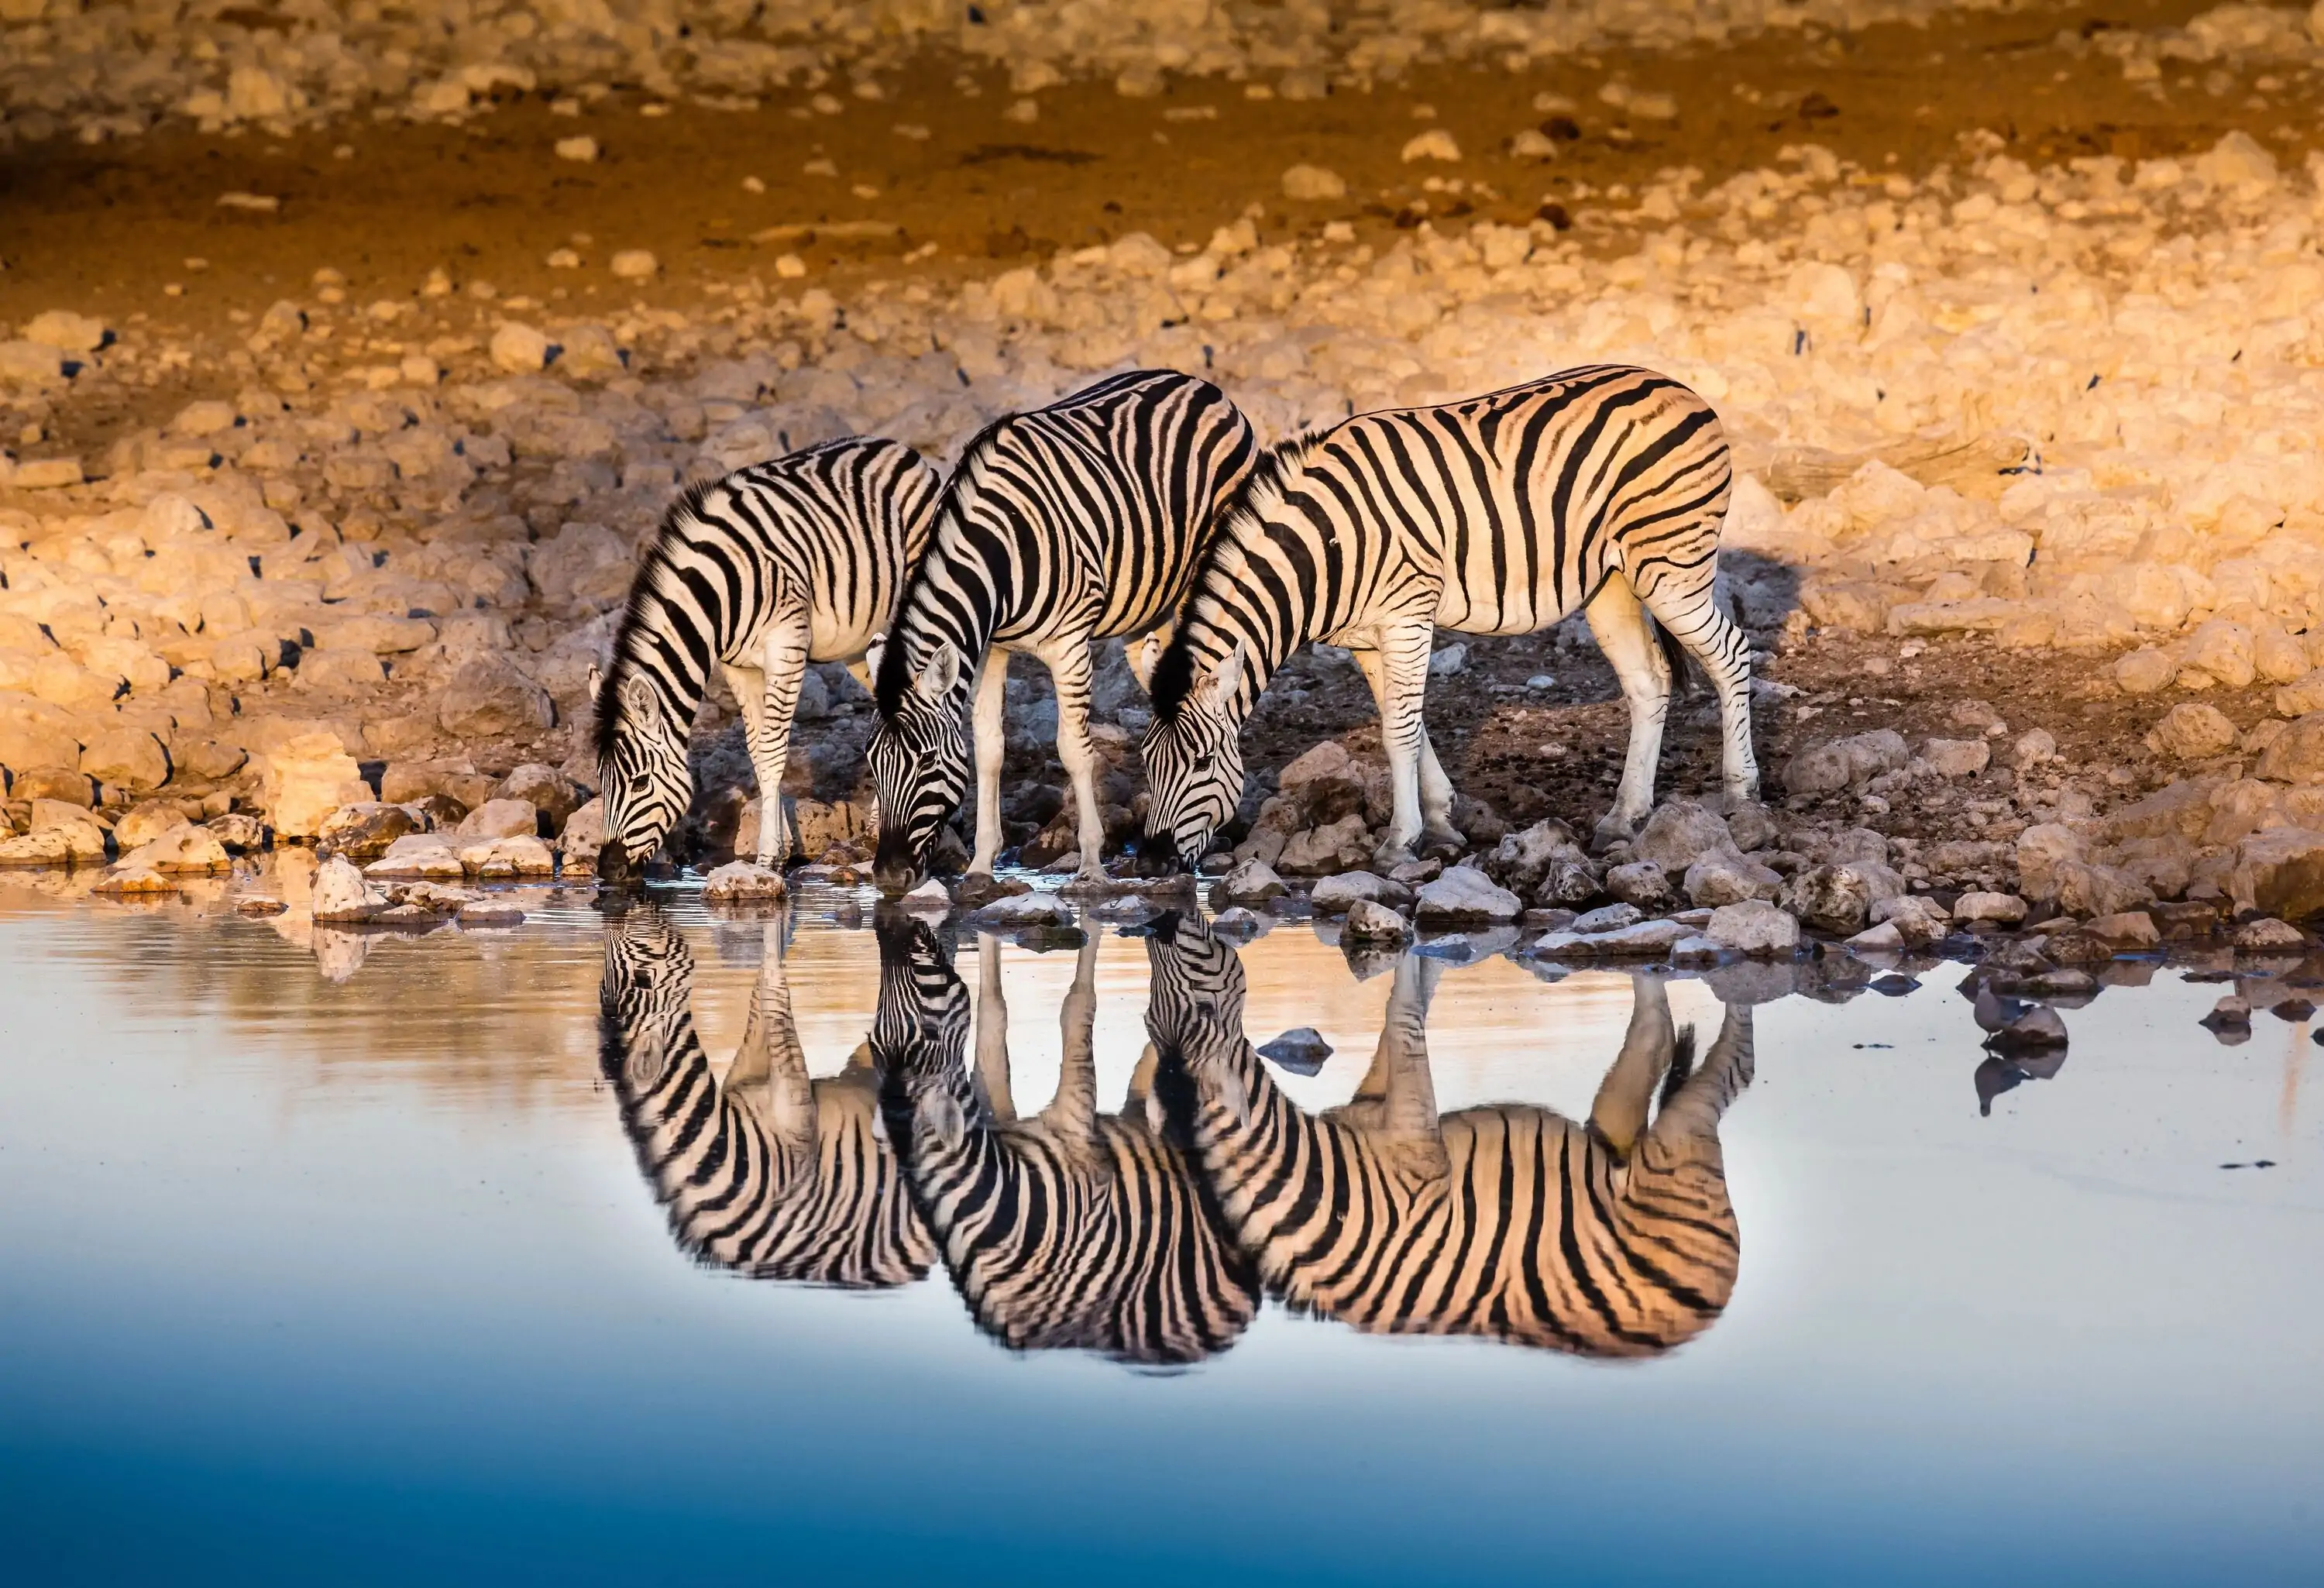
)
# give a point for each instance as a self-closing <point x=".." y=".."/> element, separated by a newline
<point x="358" y="1282"/>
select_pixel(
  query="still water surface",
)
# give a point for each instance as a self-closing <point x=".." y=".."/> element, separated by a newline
<point x="1019" y="1267"/>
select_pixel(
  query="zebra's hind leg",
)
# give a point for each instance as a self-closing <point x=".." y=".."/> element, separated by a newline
<point x="1712" y="638"/>
<point x="1619" y="623"/>
<point x="990" y="744"/>
<point x="1436" y="832"/>
<point x="1068" y="661"/>
<point x="782" y="668"/>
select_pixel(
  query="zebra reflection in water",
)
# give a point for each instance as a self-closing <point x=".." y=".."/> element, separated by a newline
<point x="1070" y="1230"/>
<point x="771" y="1174"/>
<point x="1613" y="1238"/>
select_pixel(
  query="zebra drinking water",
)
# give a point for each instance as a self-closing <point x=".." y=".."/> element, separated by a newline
<point x="1070" y="1230"/>
<point x="768" y="1173"/>
<point x="1603" y="488"/>
<point x="1073" y="523"/>
<point x="1613" y="1238"/>
<point x="777" y="565"/>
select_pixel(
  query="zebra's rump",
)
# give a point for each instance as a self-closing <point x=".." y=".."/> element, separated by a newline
<point x="1106" y="1244"/>
<point x="1527" y="1230"/>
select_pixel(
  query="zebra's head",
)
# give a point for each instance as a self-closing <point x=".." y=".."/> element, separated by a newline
<point x="642" y="767"/>
<point x="1194" y="756"/>
<point x="919" y="760"/>
<point x="644" y="1014"/>
<point x="919" y="1034"/>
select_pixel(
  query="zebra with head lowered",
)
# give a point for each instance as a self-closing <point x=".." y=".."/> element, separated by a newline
<point x="768" y="1173"/>
<point x="1602" y="488"/>
<point x="1070" y="1230"/>
<point x="1072" y="523"/>
<point x="1613" y="1238"/>
<point x="777" y="565"/>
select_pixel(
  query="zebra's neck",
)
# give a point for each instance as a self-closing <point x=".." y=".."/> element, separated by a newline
<point x="652" y="643"/>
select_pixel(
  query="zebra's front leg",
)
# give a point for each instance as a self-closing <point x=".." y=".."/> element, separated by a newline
<point x="990" y="745"/>
<point x="1068" y="661"/>
<point x="1402" y="690"/>
<point x="783" y="669"/>
<point x="1626" y="1093"/>
<point x="1437" y="831"/>
<point x="1621" y="625"/>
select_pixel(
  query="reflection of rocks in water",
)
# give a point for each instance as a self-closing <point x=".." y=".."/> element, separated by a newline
<point x="771" y="1174"/>
<point x="1069" y="1230"/>
<point x="1614" y="1238"/>
<point x="339" y="953"/>
<point x="1999" y="1073"/>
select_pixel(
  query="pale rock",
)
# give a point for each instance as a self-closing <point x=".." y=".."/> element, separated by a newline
<point x="66" y="331"/>
<point x="2031" y="748"/>
<point x="742" y="882"/>
<point x="142" y="823"/>
<point x="1754" y="927"/>
<point x="1843" y="764"/>
<point x="2219" y="651"/>
<point x="365" y="829"/>
<point x="635" y="264"/>
<point x="2087" y="889"/>
<point x="489" y="698"/>
<point x="521" y="349"/>
<point x="583" y="837"/>
<point x="1996" y="908"/>
<point x="2279" y="871"/>
<point x="2192" y="730"/>
<point x="1717" y="881"/>
<point x="1887" y="938"/>
<point x="1368" y="921"/>
<point x="1312" y="183"/>
<point x="1252" y="882"/>
<point x="1465" y="893"/>
<point x="2304" y="694"/>
<point x="1644" y="939"/>
<point x="2145" y="671"/>
<point x="181" y="849"/>
<point x="1607" y="918"/>
<point x="2297" y="756"/>
<point x="1680" y="832"/>
<point x="501" y="818"/>
<point x="1957" y="758"/>
<point x="1641" y="883"/>
<point x="134" y="880"/>
<point x="419" y="856"/>
<point x="1336" y="895"/>
<point x="522" y="855"/>
<point x="340" y="895"/>
<point x="1435" y="144"/>
<point x="2041" y="849"/>
<point x="2129" y="929"/>
<point x="128" y="758"/>
<point x="2269" y="936"/>
<point x="2039" y="1027"/>
<point x="1840" y="897"/>
<point x="2280" y="657"/>
<point x="304" y="779"/>
<point x="1026" y="910"/>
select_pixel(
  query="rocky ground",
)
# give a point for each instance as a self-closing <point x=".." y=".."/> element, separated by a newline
<point x="343" y="370"/>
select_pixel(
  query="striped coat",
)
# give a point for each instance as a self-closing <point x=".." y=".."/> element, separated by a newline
<point x="1611" y="1238"/>
<point x="1602" y="488"/>
<point x="776" y="566"/>
<point x="768" y="1174"/>
<point x="1067" y="1230"/>
<point x="1077" y="523"/>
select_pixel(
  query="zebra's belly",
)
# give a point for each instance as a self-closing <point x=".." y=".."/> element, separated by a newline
<point x="1506" y="608"/>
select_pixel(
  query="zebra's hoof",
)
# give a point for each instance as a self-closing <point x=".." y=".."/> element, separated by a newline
<point x="1610" y="831"/>
<point x="1442" y="843"/>
<point x="1388" y="856"/>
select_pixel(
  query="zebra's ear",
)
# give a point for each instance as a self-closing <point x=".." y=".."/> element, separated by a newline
<point x="1221" y="685"/>
<point x="1143" y="653"/>
<point x="596" y="681"/>
<point x="871" y="655"/>
<point x="942" y="673"/>
<point x="640" y="701"/>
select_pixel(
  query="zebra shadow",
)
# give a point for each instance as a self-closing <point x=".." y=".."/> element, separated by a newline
<point x="1613" y="1237"/>
<point x="768" y="1173"/>
<point x="1067" y="1230"/>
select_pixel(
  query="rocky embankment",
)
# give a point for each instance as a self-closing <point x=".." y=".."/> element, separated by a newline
<point x="2049" y="422"/>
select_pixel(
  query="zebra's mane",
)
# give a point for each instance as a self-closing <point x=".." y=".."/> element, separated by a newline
<point x="895" y="661"/>
<point x="1174" y="671"/>
<point x="637" y="616"/>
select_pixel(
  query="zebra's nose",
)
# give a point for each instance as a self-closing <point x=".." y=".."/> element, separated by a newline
<point x="1156" y="857"/>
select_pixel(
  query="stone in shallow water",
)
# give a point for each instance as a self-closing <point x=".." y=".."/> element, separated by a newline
<point x="1301" y="1051"/>
<point x="742" y="882"/>
<point x="1465" y="894"/>
<point x="1368" y="921"/>
<point x="2269" y="936"/>
<point x="1754" y="927"/>
<point x="1029" y="909"/>
<point x="340" y="895"/>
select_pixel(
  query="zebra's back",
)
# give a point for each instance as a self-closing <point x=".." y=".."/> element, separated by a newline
<point x="1090" y="512"/>
<point x="833" y="531"/>
<point x="1507" y="509"/>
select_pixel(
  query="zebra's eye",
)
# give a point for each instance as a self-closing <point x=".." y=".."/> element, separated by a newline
<point x="641" y="783"/>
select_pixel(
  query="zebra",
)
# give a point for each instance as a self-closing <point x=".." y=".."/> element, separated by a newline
<point x="1603" y="488"/>
<point x="1072" y="523"/>
<point x="770" y="1175"/>
<point x="1067" y="1230"/>
<point x="1613" y="1238"/>
<point x="777" y="565"/>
